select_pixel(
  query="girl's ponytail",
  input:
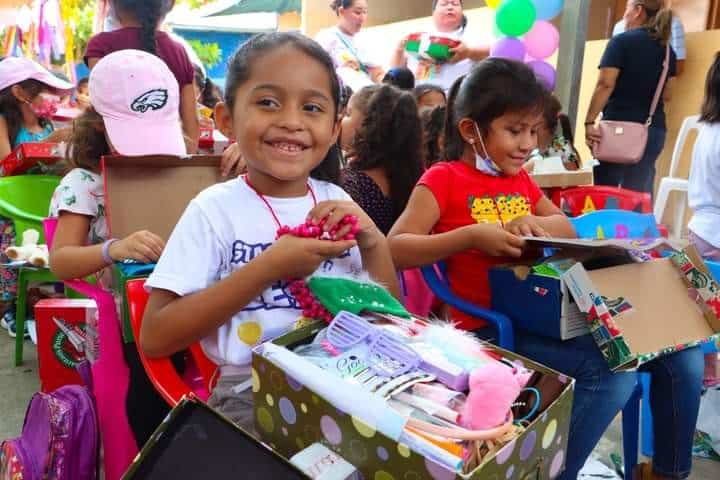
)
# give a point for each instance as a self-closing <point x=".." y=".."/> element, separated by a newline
<point x="454" y="143"/>
<point x="148" y="13"/>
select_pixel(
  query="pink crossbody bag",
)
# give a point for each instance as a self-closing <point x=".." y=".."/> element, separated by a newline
<point x="625" y="142"/>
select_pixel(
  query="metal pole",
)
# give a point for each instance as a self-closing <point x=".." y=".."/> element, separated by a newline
<point x="573" y="35"/>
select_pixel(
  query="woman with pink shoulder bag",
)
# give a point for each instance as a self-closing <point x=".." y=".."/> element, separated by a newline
<point x="636" y="77"/>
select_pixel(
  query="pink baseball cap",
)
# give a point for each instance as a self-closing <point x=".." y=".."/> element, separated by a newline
<point x="139" y="99"/>
<point x="15" y="70"/>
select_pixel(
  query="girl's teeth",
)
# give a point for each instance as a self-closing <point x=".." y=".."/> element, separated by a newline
<point x="290" y="147"/>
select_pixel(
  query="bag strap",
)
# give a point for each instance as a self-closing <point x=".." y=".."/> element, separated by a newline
<point x="661" y="85"/>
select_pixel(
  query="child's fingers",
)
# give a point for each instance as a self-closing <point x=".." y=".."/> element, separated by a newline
<point x="513" y="241"/>
<point x="538" y="231"/>
<point x="155" y="243"/>
<point x="343" y="231"/>
<point x="512" y="251"/>
<point x="321" y="211"/>
<point x="327" y="249"/>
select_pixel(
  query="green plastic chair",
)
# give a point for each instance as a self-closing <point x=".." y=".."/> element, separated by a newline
<point x="25" y="199"/>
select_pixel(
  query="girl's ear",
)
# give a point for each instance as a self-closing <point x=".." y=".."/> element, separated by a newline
<point x="467" y="130"/>
<point x="223" y="120"/>
<point x="337" y="129"/>
<point x="19" y="93"/>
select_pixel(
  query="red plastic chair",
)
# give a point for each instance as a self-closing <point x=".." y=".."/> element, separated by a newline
<point x="161" y="371"/>
<point x="580" y="200"/>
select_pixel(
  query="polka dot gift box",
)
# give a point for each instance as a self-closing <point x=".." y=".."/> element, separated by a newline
<point x="290" y="417"/>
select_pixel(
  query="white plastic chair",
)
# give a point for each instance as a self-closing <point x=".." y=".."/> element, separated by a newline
<point x="672" y="183"/>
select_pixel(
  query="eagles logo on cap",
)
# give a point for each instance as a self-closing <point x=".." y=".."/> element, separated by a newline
<point x="154" y="99"/>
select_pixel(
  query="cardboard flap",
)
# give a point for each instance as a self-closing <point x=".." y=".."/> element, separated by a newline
<point x="662" y="314"/>
<point x="151" y="193"/>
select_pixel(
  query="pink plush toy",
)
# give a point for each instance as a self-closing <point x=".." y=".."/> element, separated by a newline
<point x="493" y="390"/>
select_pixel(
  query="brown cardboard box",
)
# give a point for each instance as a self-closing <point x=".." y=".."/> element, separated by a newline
<point x="151" y="193"/>
<point x="563" y="179"/>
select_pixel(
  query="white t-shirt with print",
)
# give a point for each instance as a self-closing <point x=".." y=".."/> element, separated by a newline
<point x="443" y="75"/>
<point x="81" y="191"/>
<point x="343" y="48"/>
<point x="224" y="228"/>
<point x="704" y="185"/>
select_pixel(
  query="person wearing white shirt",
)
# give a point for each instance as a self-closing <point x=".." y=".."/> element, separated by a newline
<point x="704" y="184"/>
<point x="677" y="39"/>
<point x="448" y="21"/>
<point x="347" y="47"/>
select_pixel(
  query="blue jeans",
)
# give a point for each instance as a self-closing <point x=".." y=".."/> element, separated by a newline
<point x="600" y="394"/>
<point x="639" y="177"/>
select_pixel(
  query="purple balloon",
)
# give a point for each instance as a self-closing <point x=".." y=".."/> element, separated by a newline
<point x="545" y="72"/>
<point x="509" y="47"/>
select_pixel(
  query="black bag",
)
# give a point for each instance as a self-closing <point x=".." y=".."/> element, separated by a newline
<point x="195" y="442"/>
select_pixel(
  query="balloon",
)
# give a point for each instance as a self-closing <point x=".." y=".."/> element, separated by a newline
<point x="545" y="73"/>
<point x="547" y="9"/>
<point x="515" y="17"/>
<point x="509" y="47"/>
<point x="493" y="3"/>
<point x="543" y="40"/>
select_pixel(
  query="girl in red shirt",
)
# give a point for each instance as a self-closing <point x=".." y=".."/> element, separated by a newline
<point x="472" y="211"/>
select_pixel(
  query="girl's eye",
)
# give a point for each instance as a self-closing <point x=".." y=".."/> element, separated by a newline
<point x="515" y="131"/>
<point x="311" y="107"/>
<point x="268" y="102"/>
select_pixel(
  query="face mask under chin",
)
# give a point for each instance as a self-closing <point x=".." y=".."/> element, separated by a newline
<point x="485" y="164"/>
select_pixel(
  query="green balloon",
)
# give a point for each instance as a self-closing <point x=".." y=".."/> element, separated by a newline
<point x="515" y="18"/>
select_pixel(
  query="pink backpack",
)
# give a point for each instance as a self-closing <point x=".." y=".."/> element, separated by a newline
<point x="60" y="438"/>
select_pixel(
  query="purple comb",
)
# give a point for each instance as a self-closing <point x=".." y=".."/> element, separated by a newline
<point x="347" y="330"/>
<point x="388" y="355"/>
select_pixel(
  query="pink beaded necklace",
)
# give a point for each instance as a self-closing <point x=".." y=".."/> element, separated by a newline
<point x="298" y="287"/>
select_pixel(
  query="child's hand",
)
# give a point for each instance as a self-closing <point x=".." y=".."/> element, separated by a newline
<point x="295" y="257"/>
<point x="527" y="226"/>
<point x="334" y="211"/>
<point x="142" y="246"/>
<point x="496" y="241"/>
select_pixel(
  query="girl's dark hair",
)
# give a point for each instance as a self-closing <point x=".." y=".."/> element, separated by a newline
<point x="208" y="96"/>
<point x="422" y="90"/>
<point x="433" y="123"/>
<point x="10" y="107"/>
<point x="239" y="71"/>
<point x="710" y="112"/>
<point x="379" y="145"/>
<point x="148" y="13"/>
<point x="400" y="77"/>
<point x="336" y="5"/>
<point x="87" y="142"/>
<point x="493" y="88"/>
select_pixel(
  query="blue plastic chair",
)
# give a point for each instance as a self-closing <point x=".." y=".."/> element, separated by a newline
<point x="436" y="278"/>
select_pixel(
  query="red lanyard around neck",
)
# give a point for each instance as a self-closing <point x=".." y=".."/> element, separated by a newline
<point x="267" y="204"/>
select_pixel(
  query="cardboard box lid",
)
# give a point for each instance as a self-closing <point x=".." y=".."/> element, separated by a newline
<point x="563" y="179"/>
<point x="151" y="193"/>
<point x="663" y="313"/>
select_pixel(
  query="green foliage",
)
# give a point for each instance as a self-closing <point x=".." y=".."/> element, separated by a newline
<point x="209" y="53"/>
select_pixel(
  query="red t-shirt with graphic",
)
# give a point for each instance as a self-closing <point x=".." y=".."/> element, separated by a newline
<point x="467" y="196"/>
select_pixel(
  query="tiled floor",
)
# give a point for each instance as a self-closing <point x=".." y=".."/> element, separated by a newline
<point x="18" y="384"/>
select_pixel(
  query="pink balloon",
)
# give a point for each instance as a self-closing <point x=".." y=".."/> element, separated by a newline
<point x="543" y="40"/>
<point x="545" y="72"/>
